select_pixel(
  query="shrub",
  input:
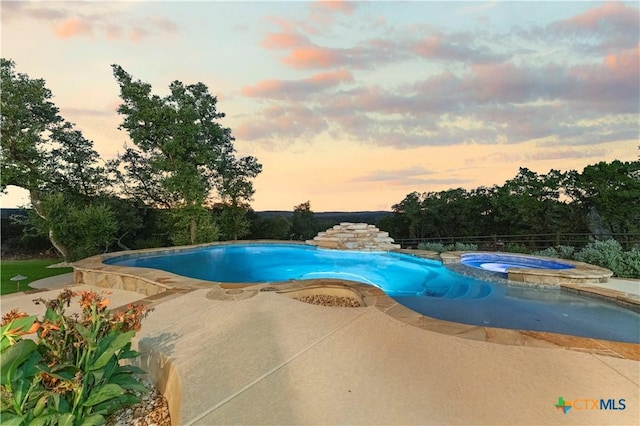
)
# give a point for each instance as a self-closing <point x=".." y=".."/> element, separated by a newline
<point x="609" y="254"/>
<point x="603" y="253"/>
<point x="438" y="247"/>
<point x="548" y="252"/>
<point x="465" y="246"/>
<point x="516" y="248"/>
<point x="72" y="373"/>
<point x="565" y="252"/>
<point x="629" y="264"/>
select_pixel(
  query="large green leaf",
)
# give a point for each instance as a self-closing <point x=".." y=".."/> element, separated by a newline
<point x="131" y="369"/>
<point x="66" y="419"/>
<point x="103" y="393"/>
<point x="93" y="420"/>
<point x="106" y="350"/>
<point x="127" y="381"/>
<point x="115" y="404"/>
<point x="127" y="352"/>
<point x="12" y="357"/>
<point x="9" y="419"/>
<point x="49" y="419"/>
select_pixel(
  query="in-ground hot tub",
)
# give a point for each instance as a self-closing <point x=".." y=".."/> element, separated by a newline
<point x="502" y="262"/>
<point x="538" y="270"/>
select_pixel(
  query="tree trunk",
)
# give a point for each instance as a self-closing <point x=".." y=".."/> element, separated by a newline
<point x="193" y="228"/>
<point x="37" y="208"/>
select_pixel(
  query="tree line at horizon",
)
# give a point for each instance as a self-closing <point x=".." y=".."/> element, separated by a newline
<point x="603" y="199"/>
<point x="180" y="182"/>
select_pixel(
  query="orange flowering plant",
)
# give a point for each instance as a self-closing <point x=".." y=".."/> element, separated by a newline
<point x="68" y="371"/>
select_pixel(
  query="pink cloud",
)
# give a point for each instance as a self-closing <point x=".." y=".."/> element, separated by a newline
<point x="311" y="57"/>
<point x="284" y="40"/>
<point x="616" y="13"/>
<point x="263" y="88"/>
<point x="332" y="77"/>
<point x="343" y="6"/>
<point x="287" y="89"/>
<point x="72" y="27"/>
<point x="281" y="122"/>
<point x="624" y="63"/>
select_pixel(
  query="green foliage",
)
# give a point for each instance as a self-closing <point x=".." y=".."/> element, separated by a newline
<point x="304" y="224"/>
<point x="548" y="252"/>
<point x="193" y="225"/>
<point x="83" y="229"/>
<point x="612" y="190"/>
<point x="440" y="247"/>
<point x="45" y="155"/>
<point x="272" y="228"/>
<point x="516" y="248"/>
<point x="628" y="265"/>
<point x="609" y="254"/>
<point x="437" y="247"/>
<point x="233" y="222"/>
<point x="32" y="269"/>
<point x="72" y="373"/>
<point x="600" y="200"/>
<point x="181" y="156"/>
<point x="465" y="246"/>
<point x="560" y="251"/>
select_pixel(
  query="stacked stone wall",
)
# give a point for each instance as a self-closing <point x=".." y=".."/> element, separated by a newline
<point x="354" y="236"/>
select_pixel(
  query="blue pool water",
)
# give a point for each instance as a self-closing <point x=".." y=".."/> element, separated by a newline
<point x="501" y="262"/>
<point x="420" y="284"/>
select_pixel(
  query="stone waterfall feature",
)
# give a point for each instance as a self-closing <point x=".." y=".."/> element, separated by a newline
<point x="354" y="236"/>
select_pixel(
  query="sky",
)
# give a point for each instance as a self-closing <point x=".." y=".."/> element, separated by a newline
<point x="354" y="105"/>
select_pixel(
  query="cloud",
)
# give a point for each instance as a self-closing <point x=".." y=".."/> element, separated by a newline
<point x="282" y="124"/>
<point x="284" y="40"/>
<point x="406" y="87"/>
<point x="299" y="89"/>
<point x="343" y="6"/>
<point x="110" y="20"/>
<point x="412" y="176"/>
<point x="73" y="27"/>
<point x="611" y="25"/>
<point x="439" y="47"/>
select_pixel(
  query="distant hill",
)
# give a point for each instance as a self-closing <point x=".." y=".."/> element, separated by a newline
<point x="367" y="216"/>
<point x="7" y="213"/>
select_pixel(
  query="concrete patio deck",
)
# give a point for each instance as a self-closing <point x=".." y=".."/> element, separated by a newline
<point x="270" y="359"/>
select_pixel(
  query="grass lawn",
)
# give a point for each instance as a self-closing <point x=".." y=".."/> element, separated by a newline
<point x="32" y="269"/>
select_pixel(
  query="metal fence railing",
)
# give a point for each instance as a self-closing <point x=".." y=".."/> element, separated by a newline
<point x="528" y="241"/>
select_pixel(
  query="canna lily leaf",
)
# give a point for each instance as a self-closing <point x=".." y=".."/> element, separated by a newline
<point x="103" y="393"/>
<point x="8" y="419"/>
<point x="108" y="348"/>
<point x="12" y="357"/>
<point x="131" y="369"/>
<point x="66" y="419"/>
<point x="94" y="420"/>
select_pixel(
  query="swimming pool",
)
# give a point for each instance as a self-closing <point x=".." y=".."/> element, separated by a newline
<point x="423" y="285"/>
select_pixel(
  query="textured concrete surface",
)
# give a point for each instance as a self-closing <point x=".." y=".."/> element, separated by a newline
<point x="269" y="359"/>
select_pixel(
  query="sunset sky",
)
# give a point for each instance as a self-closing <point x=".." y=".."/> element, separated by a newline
<point x="353" y="105"/>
